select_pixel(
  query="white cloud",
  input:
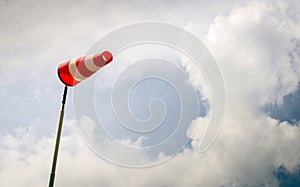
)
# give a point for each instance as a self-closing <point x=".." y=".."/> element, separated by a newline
<point x="251" y="45"/>
<point x="238" y="157"/>
<point x="198" y="79"/>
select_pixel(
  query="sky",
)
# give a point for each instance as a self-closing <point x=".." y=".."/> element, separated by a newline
<point x="154" y="137"/>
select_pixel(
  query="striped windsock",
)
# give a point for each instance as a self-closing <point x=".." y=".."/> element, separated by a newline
<point x="76" y="70"/>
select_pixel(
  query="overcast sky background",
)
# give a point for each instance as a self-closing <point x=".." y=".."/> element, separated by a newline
<point x="256" y="43"/>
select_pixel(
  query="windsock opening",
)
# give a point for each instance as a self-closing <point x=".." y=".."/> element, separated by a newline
<point x="107" y="56"/>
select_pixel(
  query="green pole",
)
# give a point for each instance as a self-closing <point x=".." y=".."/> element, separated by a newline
<point x="61" y="119"/>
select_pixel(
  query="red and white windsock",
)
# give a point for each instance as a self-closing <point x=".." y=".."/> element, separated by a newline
<point x="76" y="70"/>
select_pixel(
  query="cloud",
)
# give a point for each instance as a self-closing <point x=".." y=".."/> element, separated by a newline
<point x="238" y="158"/>
<point x="252" y="46"/>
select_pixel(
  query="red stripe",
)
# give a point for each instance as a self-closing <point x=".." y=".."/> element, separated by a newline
<point x="83" y="70"/>
<point x="65" y="75"/>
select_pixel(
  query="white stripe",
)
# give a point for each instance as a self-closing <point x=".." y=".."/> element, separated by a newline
<point x="89" y="64"/>
<point x="74" y="71"/>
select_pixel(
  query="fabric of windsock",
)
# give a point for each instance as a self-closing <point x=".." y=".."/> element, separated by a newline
<point x="76" y="70"/>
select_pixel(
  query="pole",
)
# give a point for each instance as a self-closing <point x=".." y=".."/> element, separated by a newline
<point x="61" y="118"/>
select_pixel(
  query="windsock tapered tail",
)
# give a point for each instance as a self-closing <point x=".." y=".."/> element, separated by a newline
<point x="76" y="70"/>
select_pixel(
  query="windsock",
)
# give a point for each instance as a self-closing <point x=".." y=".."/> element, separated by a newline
<point x="76" y="70"/>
